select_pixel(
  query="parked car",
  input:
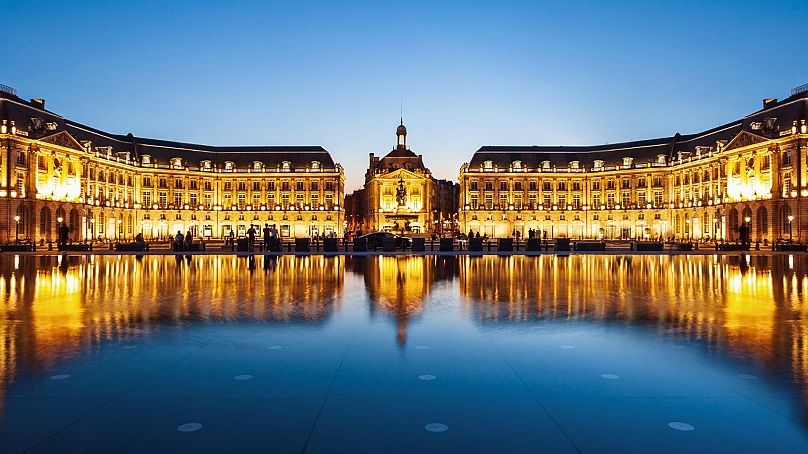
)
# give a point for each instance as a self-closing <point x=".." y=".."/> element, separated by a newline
<point x="375" y="240"/>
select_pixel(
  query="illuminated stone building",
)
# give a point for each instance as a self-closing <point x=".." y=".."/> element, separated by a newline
<point x="401" y="195"/>
<point x="696" y="186"/>
<point x="115" y="186"/>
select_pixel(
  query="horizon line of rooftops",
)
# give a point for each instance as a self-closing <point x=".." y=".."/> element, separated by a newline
<point x="658" y="152"/>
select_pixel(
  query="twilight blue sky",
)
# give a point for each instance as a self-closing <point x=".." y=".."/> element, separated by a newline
<point x="471" y="73"/>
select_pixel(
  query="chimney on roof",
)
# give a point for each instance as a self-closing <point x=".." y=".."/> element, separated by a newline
<point x="38" y="102"/>
<point x="768" y="102"/>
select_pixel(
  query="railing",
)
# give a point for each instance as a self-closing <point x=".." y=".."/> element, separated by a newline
<point x="10" y="90"/>
<point x="800" y="89"/>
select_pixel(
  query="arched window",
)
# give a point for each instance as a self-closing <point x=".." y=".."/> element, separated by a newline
<point x="488" y="165"/>
<point x="286" y="166"/>
<point x="315" y="166"/>
<point x="205" y="165"/>
<point x="229" y="166"/>
<point x="517" y="166"/>
<point x="146" y="160"/>
<point x="45" y="223"/>
<point x="785" y="214"/>
<point x="257" y="166"/>
<point x="176" y="163"/>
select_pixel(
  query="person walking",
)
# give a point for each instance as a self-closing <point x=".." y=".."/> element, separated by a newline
<point x="251" y="239"/>
<point x="267" y="236"/>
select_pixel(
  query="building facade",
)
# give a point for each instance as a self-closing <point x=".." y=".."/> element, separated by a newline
<point x="400" y="195"/>
<point x="114" y="187"/>
<point x="691" y="187"/>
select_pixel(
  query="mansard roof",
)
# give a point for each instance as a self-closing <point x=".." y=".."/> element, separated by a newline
<point x="32" y="119"/>
<point x="779" y="114"/>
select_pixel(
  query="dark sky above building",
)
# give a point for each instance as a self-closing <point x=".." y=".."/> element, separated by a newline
<point x="470" y="73"/>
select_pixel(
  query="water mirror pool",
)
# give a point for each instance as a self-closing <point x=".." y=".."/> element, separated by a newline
<point x="580" y="353"/>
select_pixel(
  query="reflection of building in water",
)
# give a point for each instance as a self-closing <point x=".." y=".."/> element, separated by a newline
<point x="399" y="284"/>
<point x="51" y="309"/>
<point x="750" y="307"/>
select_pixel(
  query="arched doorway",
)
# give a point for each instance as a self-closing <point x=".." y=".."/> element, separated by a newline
<point x="762" y="224"/>
<point x="45" y="224"/>
<point x="733" y="224"/>
<point x="746" y="219"/>
<point x="786" y="224"/>
<point x="73" y="225"/>
<point x="21" y="222"/>
<point x="90" y="233"/>
<point x="718" y="225"/>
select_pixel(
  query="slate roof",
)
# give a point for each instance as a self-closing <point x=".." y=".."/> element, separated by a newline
<point x="643" y="151"/>
<point x="161" y="151"/>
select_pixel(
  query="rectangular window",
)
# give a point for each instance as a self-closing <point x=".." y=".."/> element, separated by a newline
<point x="146" y="197"/>
<point x="177" y="199"/>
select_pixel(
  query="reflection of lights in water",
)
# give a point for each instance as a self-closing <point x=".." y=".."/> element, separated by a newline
<point x="752" y="307"/>
<point x="69" y="303"/>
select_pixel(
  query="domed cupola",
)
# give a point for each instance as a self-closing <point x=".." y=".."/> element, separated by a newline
<point x="401" y="136"/>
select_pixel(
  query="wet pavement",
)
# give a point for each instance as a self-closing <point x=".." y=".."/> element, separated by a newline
<point x="581" y="353"/>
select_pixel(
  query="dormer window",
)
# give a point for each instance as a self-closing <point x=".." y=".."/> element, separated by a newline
<point x="575" y="165"/>
<point x="205" y="165"/>
<point x="598" y="164"/>
<point x="627" y="162"/>
<point x="315" y="166"/>
<point x="488" y="166"/>
<point x="545" y="165"/>
<point x="517" y="166"/>
<point x="176" y="163"/>
<point x="146" y="160"/>
<point x="229" y="166"/>
<point x="257" y="166"/>
<point x="286" y="166"/>
<point x="661" y="159"/>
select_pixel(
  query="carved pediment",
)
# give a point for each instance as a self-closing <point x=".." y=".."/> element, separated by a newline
<point x="63" y="139"/>
<point x="402" y="173"/>
<point x="743" y="139"/>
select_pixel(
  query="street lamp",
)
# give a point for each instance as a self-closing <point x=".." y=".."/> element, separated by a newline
<point x="715" y="229"/>
<point x="17" y="231"/>
<point x="687" y="226"/>
<point x="790" y="232"/>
